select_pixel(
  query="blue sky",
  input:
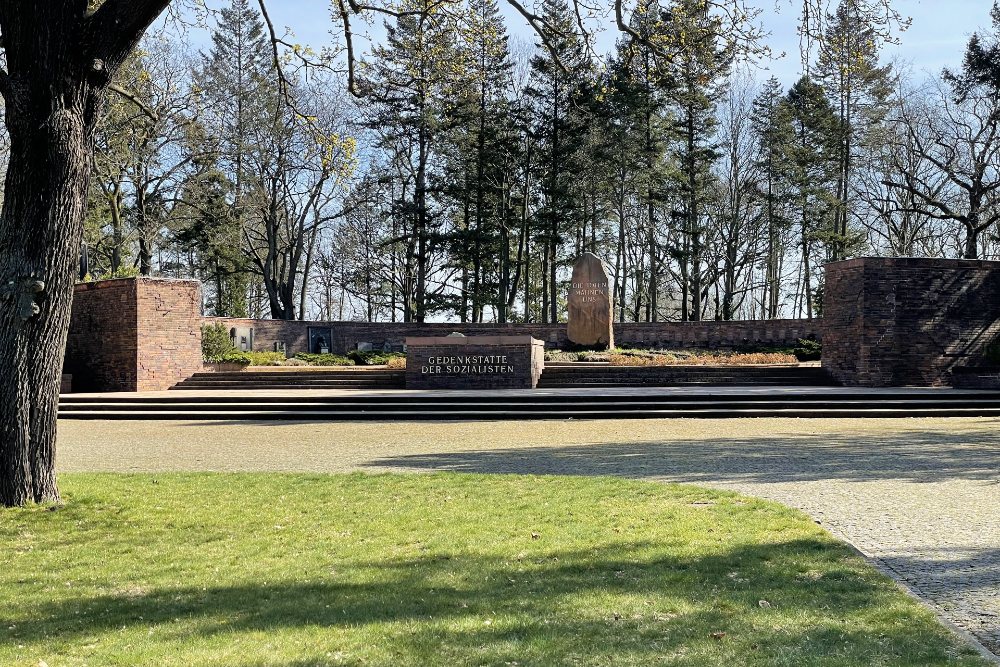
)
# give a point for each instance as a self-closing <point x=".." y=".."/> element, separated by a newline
<point x="936" y="39"/>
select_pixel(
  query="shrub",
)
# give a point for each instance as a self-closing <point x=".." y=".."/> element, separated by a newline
<point x="991" y="353"/>
<point x="324" y="359"/>
<point x="397" y="363"/>
<point x="234" y="357"/>
<point x="591" y="356"/>
<point x="752" y="359"/>
<point x="215" y="342"/>
<point x="808" y="349"/>
<point x="372" y="358"/>
<point x="642" y="360"/>
<point x="267" y="358"/>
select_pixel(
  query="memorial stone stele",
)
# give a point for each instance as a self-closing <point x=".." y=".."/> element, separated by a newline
<point x="591" y="318"/>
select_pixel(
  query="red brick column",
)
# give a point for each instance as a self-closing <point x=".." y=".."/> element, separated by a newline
<point x="134" y="334"/>
<point x="906" y="321"/>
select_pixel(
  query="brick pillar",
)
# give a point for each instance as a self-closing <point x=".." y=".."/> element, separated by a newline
<point x="906" y="321"/>
<point x="134" y="334"/>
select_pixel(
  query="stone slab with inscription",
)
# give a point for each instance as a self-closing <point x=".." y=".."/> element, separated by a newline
<point x="474" y="362"/>
<point x="591" y="318"/>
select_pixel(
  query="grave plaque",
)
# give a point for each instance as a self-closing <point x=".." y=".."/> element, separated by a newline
<point x="474" y="362"/>
<point x="242" y="338"/>
<point x="590" y="314"/>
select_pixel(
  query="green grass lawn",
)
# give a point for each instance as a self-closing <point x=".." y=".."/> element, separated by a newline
<point x="448" y="569"/>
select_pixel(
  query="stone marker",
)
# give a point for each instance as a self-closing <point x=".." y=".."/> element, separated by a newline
<point x="590" y="313"/>
<point x="474" y="362"/>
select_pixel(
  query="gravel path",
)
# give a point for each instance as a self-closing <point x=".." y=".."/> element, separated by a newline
<point x="920" y="496"/>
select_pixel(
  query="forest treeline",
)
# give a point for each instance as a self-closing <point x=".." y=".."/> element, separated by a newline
<point x="474" y="168"/>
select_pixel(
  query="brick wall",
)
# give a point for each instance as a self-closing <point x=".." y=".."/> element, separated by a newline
<point x="346" y="335"/>
<point x="134" y="334"/>
<point x="102" y="348"/>
<point x="897" y="322"/>
<point x="169" y="324"/>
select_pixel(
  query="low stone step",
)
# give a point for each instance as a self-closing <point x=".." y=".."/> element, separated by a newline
<point x="566" y="407"/>
<point x="521" y="414"/>
<point x="287" y="387"/>
<point x="331" y="382"/>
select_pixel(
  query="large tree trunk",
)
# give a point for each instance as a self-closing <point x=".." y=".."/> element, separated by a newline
<point x="60" y="58"/>
<point x="41" y="229"/>
<point x="971" y="242"/>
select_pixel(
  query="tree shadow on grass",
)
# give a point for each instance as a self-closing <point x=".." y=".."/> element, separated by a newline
<point x="911" y="455"/>
<point x="625" y="599"/>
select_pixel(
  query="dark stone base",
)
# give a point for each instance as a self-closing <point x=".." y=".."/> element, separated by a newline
<point x="477" y="362"/>
<point x="986" y="377"/>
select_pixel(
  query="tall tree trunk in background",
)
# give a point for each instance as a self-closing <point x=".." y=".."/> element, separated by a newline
<point x="147" y="232"/>
<point x="60" y="59"/>
<point x="654" y="287"/>
<point x="694" y="194"/>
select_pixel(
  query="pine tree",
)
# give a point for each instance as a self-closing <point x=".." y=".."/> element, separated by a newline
<point x="639" y="88"/>
<point x="236" y="86"/>
<point x="407" y="79"/>
<point x="810" y="168"/>
<point x="848" y="69"/>
<point x="558" y="90"/>
<point x="203" y="225"/>
<point x="773" y="127"/>
<point x="696" y="77"/>
<point x="478" y="154"/>
<point x="981" y="64"/>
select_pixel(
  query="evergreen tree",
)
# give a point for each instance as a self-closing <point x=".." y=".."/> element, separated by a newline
<point x="406" y="84"/>
<point x="696" y="77"/>
<point x="638" y="97"/>
<point x="478" y="154"/>
<point x="773" y="127"/>
<point x="981" y="63"/>
<point x="236" y="83"/>
<point x="558" y="88"/>
<point x="236" y="87"/>
<point x="203" y="225"/>
<point x="848" y="69"/>
<point x="810" y="167"/>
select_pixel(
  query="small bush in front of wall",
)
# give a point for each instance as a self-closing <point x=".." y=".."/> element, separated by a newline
<point x="373" y="358"/>
<point x="808" y="349"/>
<point x="624" y="358"/>
<point x="266" y="358"/>
<point x="591" y="357"/>
<point x="397" y="363"/>
<point x="991" y="355"/>
<point x="234" y="357"/>
<point x="324" y="359"/>
<point x="215" y="342"/>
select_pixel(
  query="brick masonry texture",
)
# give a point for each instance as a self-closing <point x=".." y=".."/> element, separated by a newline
<point x="906" y="321"/>
<point x="169" y="325"/>
<point x="345" y="336"/>
<point x="134" y="334"/>
<point x="102" y="350"/>
<point x="499" y="362"/>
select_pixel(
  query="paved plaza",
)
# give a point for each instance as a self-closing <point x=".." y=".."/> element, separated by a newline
<point x="920" y="496"/>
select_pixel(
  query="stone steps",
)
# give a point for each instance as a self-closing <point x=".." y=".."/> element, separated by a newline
<point x="375" y="378"/>
<point x="529" y="406"/>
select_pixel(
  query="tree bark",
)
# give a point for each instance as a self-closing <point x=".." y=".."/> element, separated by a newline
<point x="60" y="59"/>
